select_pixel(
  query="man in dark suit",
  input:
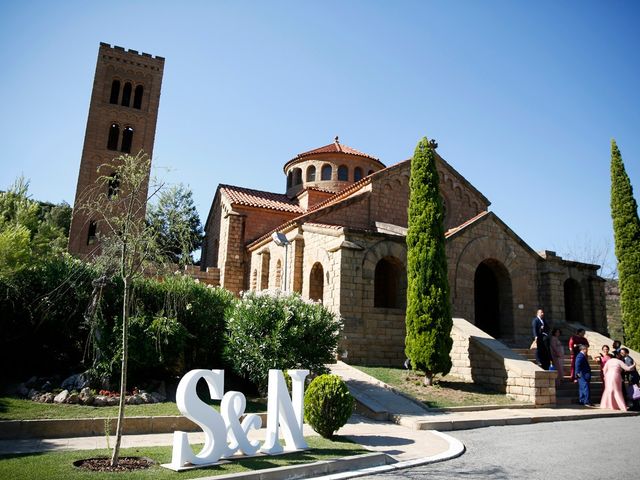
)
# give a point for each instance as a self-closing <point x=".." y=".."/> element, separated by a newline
<point x="541" y="330"/>
<point x="583" y="372"/>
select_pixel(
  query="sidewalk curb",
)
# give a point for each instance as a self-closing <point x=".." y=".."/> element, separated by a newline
<point x="366" y="461"/>
<point x="452" y="425"/>
<point x="456" y="448"/>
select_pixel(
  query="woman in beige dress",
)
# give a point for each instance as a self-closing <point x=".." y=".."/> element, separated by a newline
<point x="557" y="354"/>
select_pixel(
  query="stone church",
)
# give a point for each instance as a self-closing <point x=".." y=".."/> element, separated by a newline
<point x="337" y="235"/>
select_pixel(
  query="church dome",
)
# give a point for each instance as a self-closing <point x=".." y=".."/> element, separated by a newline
<point x="330" y="168"/>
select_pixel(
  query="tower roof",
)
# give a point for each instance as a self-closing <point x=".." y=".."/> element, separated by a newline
<point x="333" y="148"/>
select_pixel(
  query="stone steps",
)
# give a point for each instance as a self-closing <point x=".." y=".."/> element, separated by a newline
<point x="567" y="391"/>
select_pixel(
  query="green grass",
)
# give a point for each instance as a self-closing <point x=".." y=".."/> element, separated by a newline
<point x="20" y="409"/>
<point x="59" y="465"/>
<point x="447" y="391"/>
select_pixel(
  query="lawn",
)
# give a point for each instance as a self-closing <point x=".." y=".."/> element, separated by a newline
<point x="59" y="465"/>
<point x="447" y="391"/>
<point x="20" y="409"/>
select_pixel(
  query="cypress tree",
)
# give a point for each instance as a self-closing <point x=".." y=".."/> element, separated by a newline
<point x="428" y="318"/>
<point x="626" y="232"/>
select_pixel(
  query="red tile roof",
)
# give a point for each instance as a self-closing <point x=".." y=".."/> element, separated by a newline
<point x="335" y="147"/>
<point x="260" y="199"/>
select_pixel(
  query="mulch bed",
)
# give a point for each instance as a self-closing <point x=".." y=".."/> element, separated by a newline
<point x="125" y="464"/>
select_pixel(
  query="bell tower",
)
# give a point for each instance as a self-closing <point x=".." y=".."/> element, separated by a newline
<point x="122" y="119"/>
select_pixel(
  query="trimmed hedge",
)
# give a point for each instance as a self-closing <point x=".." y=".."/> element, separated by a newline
<point x="327" y="404"/>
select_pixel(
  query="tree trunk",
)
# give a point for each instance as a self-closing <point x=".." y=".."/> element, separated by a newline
<point x="428" y="379"/>
<point x="123" y="374"/>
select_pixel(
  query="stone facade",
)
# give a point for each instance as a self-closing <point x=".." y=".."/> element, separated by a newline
<point x="348" y="250"/>
<point x="122" y="119"/>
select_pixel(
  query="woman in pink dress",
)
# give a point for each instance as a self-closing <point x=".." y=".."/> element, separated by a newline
<point x="602" y="359"/>
<point x="557" y="354"/>
<point x="612" y="397"/>
<point x="574" y="348"/>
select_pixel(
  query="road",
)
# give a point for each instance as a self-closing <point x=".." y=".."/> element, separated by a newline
<point x="580" y="450"/>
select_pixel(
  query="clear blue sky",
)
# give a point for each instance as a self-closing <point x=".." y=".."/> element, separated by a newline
<point x="523" y="97"/>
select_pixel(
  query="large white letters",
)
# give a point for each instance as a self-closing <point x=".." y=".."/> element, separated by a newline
<point x="224" y="433"/>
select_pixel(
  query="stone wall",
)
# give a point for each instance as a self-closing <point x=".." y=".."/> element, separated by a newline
<point x="479" y="358"/>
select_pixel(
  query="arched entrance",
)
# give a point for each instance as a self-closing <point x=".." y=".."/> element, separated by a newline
<point x="573" y="301"/>
<point x="316" y="282"/>
<point x="493" y="299"/>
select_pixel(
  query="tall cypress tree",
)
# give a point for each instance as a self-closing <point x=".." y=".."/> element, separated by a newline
<point x="626" y="231"/>
<point x="428" y="318"/>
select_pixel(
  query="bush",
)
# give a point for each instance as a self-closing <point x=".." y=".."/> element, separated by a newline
<point x="177" y="324"/>
<point x="275" y="330"/>
<point x="327" y="404"/>
<point x="42" y="324"/>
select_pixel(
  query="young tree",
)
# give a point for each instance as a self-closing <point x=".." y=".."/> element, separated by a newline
<point x="428" y="317"/>
<point x="176" y="221"/>
<point x="626" y="231"/>
<point x="127" y="242"/>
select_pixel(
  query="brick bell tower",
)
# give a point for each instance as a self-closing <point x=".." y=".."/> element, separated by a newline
<point x="122" y="119"/>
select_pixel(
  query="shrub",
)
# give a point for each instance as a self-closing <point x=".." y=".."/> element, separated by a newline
<point x="42" y="324"/>
<point x="275" y="330"/>
<point x="177" y="324"/>
<point x="327" y="404"/>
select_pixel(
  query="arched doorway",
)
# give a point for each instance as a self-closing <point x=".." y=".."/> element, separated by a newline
<point x="390" y="284"/>
<point x="493" y="299"/>
<point x="573" y="301"/>
<point x="316" y="282"/>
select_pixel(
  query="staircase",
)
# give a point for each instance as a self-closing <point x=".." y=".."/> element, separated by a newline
<point x="567" y="391"/>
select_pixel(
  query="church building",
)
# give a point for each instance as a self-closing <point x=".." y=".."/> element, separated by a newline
<point x="337" y="235"/>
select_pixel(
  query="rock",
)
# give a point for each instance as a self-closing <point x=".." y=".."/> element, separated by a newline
<point x="46" y="398"/>
<point x="62" y="397"/>
<point x="133" y="400"/>
<point x="111" y="401"/>
<point x="158" y="397"/>
<point x="33" y="394"/>
<point x="99" y="401"/>
<point x="75" y="382"/>
<point x="85" y="396"/>
<point x="46" y="386"/>
<point x="146" y="397"/>
<point x="73" y="398"/>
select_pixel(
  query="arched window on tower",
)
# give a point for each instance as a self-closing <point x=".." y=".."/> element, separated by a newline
<point x="113" y="186"/>
<point x="311" y="174"/>
<point x="127" y="140"/>
<point x="370" y="172"/>
<point x="357" y="174"/>
<point x="137" y="97"/>
<point x="297" y="176"/>
<point x="114" y="134"/>
<point x="115" y="92"/>
<point x="289" y="179"/>
<point x="343" y="173"/>
<point x="126" y="95"/>
<point x="92" y="233"/>
<point x="325" y="172"/>
<point x="389" y="284"/>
